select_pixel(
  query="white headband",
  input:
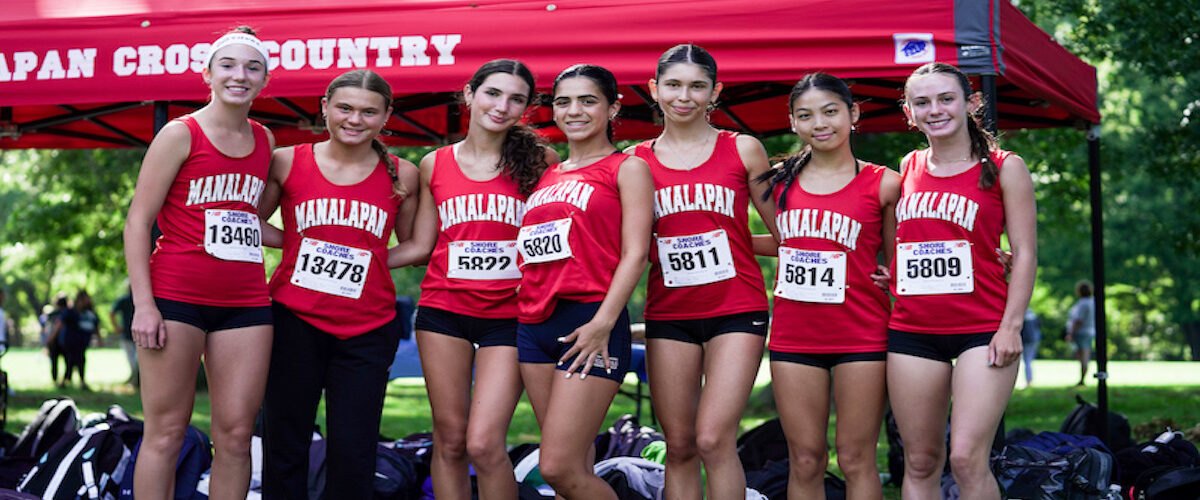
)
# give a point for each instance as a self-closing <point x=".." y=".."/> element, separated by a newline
<point x="234" y="38"/>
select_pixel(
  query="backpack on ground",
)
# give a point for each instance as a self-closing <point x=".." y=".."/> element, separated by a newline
<point x="1167" y="482"/>
<point x="633" y="478"/>
<point x="626" y="438"/>
<point x="1084" y="420"/>
<point x="195" y="458"/>
<point x="89" y="466"/>
<point x="771" y="481"/>
<point x="395" y="474"/>
<point x="762" y="444"/>
<point x="1169" y="448"/>
<point x="1067" y="472"/>
<point x="57" y="418"/>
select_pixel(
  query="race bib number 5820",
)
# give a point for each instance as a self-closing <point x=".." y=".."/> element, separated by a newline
<point x="233" y="235"/>
<point x="545" y="242"/>
<point x="934" y="268"/>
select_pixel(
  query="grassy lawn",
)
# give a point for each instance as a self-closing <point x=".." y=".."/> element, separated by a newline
<point x="1151" y="394"/>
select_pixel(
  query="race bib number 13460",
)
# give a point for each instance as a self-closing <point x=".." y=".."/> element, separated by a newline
<point x="233" y="235"/>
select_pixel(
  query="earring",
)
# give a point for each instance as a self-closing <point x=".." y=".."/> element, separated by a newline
<point x="853" y="128"/>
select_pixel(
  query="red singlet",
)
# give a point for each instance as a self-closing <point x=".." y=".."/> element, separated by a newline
<point x="702" y="233"/>
<point x="836" y="307"/>
<point x="473" y="268"/>
<point x="210" y="250"/>
<point x="334" y="272"/>
<point x="572" y="231"/>
<point x="946" y="277"/>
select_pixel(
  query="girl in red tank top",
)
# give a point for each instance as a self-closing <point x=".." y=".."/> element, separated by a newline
<point x="334" y="306"/>
<point x="473" y="197"/>
<point x="829" y="326"/>
<point x="952" y="300"/>
<point x="203" y="292"/>
<point x="583" y="247"/>
<point x="705" y="297"/>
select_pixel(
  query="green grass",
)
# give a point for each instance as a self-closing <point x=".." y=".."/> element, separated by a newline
<point x="1150" y="394"/>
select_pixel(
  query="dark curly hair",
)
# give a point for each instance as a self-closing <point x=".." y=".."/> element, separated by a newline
<point x="523" y="154"/>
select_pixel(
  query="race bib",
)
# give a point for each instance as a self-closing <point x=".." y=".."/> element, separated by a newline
<point x="934" y="268"/>
<point x="483" y="260"/>
<point x="331" y="268"/>
<point x="811" y="276"/>
<point x="696" y="259"/>
<point x="545" y="242"/>
<point x="233" y="235"/>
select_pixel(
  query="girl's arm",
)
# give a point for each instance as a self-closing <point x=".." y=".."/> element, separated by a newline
<point x="410" y="178"/>
<point x="422" y="235"/>
<point x="754" y="157"/>
<point x="1020" y="214"/>
<point x="166" y="154"/>
<point x="889" y="195"/>
<point x="637" y="216"/>
<point x="281" y="166"/>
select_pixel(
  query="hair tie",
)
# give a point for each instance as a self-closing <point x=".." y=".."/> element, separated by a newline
<point x="235" y="38"/>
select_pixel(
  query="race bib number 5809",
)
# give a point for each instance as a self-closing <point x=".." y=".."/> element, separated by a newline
<point x="233" y="235"/>
<point x="934" y="268"/>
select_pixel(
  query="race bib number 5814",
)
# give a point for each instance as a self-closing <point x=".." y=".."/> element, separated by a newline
<point x="811" y="275"/>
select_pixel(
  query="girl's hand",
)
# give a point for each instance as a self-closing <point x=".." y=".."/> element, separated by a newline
<point x="1004" y="349"/>
<point x="590" y="340"/>
<point x="882" y="277"/>
<point x="148" y="329"/>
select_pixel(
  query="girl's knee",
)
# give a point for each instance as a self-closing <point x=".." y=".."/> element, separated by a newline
<point x="711" y="443"/>
<point x="681" y="447"/>
<point x="921" y="464"/>
<point x="808" y="462"/>
<point x="487" y="452"/>
<point x="856" y="458"/>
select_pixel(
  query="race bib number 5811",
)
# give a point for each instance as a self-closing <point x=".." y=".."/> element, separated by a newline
<point x="934" y="268"/>
<point x="695" y="259"/>
<point x="233" y="235"/>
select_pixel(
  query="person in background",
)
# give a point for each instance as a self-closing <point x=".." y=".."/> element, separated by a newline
<point x="3" y="325"/>
<point x="1031" y="336"/>
<point x="123" y="307"/>
<point x="73" y="332"/>
<point x="1081" y="327"/>
<point x="49" y="334"/>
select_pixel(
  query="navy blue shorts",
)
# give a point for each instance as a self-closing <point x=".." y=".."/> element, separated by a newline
<point x="213" y="318"/>
<point x="700" y="331"/>
<point x="538" y="342"/>
<point x="936" y="346"/>
<point x="484" y="332"/>
<point x="826" y="360"/>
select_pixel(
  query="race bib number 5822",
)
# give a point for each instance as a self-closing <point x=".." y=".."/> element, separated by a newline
<point x="233" y="235"/>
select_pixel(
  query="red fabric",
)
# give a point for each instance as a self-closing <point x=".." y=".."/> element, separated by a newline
<point x="921" y="195"/>
<point x="343" y="317"/>
<point x="860" y="323"/>
<point x="595" y="238"/>
<point x="722" y="171"/>
<point x="763" y="49"/>
<point x="180" y="268"/>
<point x="475" y="221"/>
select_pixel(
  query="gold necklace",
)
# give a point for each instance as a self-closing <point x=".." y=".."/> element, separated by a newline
<point x="695" y="159"/>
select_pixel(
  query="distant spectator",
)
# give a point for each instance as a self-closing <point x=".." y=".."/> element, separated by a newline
<point x="3" y="326"/>
<point x="1081" y="326"/>
<point x="1031" y="336"/>
<point x="50" y="333"/>
<point x="74" y="332"/>
<point x="123" y="307"/>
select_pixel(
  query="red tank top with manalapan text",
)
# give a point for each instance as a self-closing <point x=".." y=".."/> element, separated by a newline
<point x="945" y="276"/>
<point x="570" y="240"/>
<point x="210" y="250"/>
<point x="825" y="300"/>
<point x="334" y="272"/>
<point x="473" y="269"/>
<point x="701" y="261"/>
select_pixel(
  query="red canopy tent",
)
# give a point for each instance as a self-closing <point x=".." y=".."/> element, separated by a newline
<point x="108" y="73"/>
<point x="81" y="77"/>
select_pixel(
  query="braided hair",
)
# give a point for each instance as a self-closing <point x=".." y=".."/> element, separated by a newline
<point x="370" y="80"/>
<point x="983" y="143"/>
<point x="786" y="173"/>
